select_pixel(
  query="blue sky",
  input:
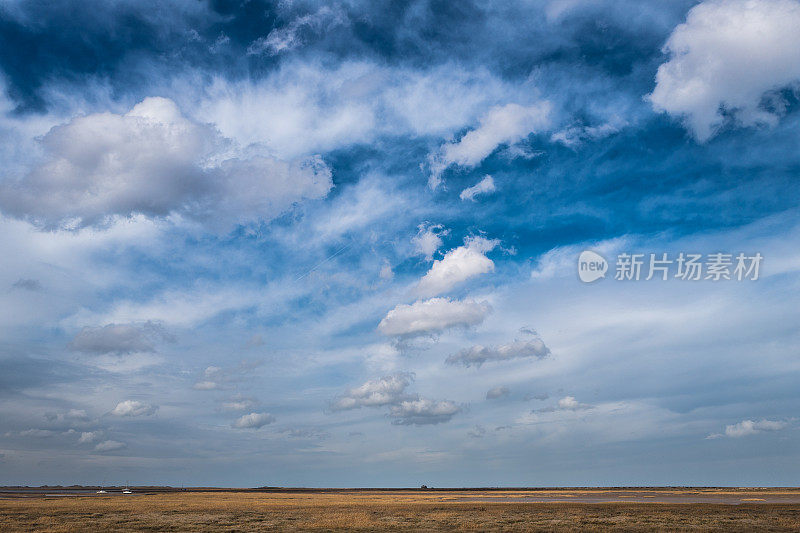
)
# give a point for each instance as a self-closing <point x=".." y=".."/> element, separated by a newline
<point x="335" y="244"/>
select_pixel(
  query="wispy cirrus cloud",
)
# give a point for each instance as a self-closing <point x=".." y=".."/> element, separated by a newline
<point x="483" y="187"/>
<point x="504" y="124"/>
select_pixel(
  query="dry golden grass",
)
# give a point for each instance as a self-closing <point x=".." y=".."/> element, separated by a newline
<point x="381" y="511"/>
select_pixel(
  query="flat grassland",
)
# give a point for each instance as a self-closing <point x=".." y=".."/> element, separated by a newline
<point x="406" y="510"/>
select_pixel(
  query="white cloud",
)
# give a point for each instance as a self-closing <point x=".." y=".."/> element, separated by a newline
<point x="211" y="371"/>
<point x="125" y="363"/>
<point x="307" y="107"/>
<point x="478" y="355"/>
<point x="576" y="135"/>
<point x="457" y="266"/>
<point x="253" y="421"/>
<point x="569" y="403"/>
<point x="423" y="411"/>
<point x="156" y="162"/>
<point x="133" y="408"/>
<point x="109" y="446"/>
<point x="497" y="393"/>
<point x="749" y="427"/>
<point x="290" y="36"/>
<point x="88" y="437"/>
<point x="386" y="271"/>
<point x="485" y="186"/>
<point x="500" y="125"/>
<point x="387" y="390"/>
<point x="205" y="385"/>
<point x="728" y="55"/>
<point x="428" y="239"/>
<point x="562" y="261"/>
<point x="433" y="316"/>
<point x="404" y="408"/>
<point x="120" y="338"/>
<point x="180" y="308"/>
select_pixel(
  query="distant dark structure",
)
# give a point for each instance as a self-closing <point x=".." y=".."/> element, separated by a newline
<point x="424" y="487"/>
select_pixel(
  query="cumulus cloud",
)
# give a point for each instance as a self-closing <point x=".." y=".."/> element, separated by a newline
<point x="156" y="162"/>
<point x="478" y="355"/>
<point x="497" y="392"/>
<point x="725" y="58"/>
<point x="133" y="408"/>
<point x="432" y="316"/>
<point x="749" y="427"/>
<point x="109" y="446"/>
<point x="404" y="408"/>
<point x="567" y="403"/>
<point x="88" y="437"/>
<point x="120" y="338"/>
<point x="457" y="266"/>
<point x="209" y="383"/>
<point x="253" y="421"/>
<point x="375" y="393"/>
<point x="500" y="125"/>
<point x="428" y="239"/>
<point x="423" y="411"/>
<point x="485" y="186"/>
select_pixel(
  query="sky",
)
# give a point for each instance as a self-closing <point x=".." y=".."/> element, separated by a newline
<point x="295" y="243"/>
